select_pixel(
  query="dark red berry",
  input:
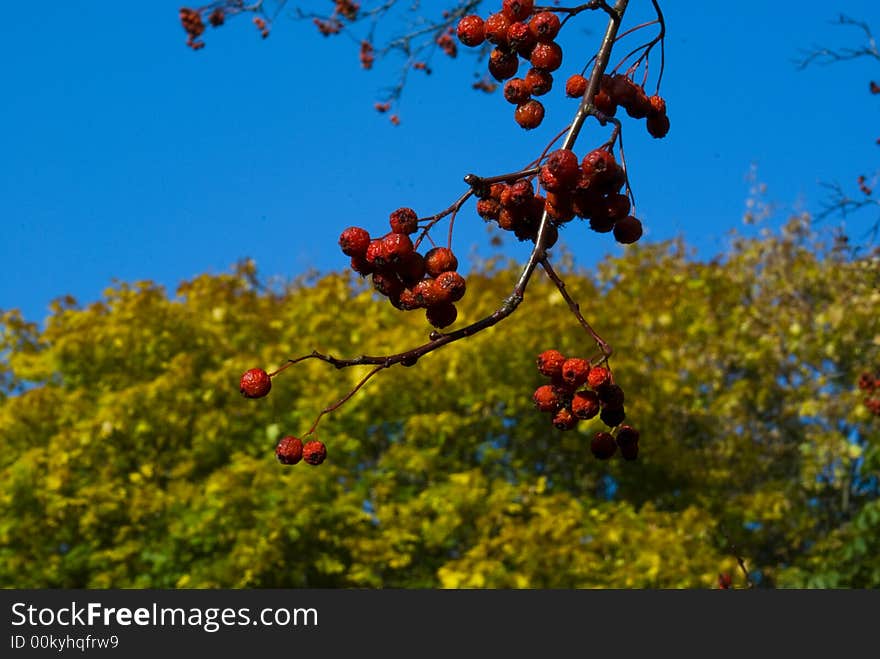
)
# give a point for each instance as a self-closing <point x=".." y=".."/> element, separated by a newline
<point x="314" y="452"/>
<point x="560" y="171"/>
<point x="361" y="266"/>
<point x="451" y="286"/>
<point x="517" y="10"/>
<point x="658" y="126"/>
<point x="612" y="416"/>
<point x="547" y="398"/>
<point x="564" y="419"/>
<point x="441" y="315"/>
<point x="255" y="383"/>
<point x="539" y="81"/>
<point x="516" y="91"/>
<point x="598" y="376"/>
<point x="289" y="450"/>
<point x="604" y="103"/>
<point x="546" y="56"/>
<point x="617" y="206"/>
<point x="597" y="164"/>
<point x="610" y="395"/>
<point x="387" y="284"/>
<point x="629" y="451"/>
<point x="397" y="246"/>
<point x="545" y="26"/>
<point x="354" y="241"/>
<point x="520" y="38"/>
<point x="585" y="404"/>
<point x="550" y="363"/>
<point x="576" y="86"/>
<point x="488" y="209"/>
<point x="404" y="220"/>
<point x="496" y="28"/>
<point x="627" y="435"/>
<point x="440" y="259"/>
<point x="529" y="115"/>
<point x="425" y="293"/>
<point x="503" y="65"/>
<point x="377" y="253"/>
<point x="517" y="194"/>
<point x="658" y="105"/>
<point x="411" y="268"/>
<point x="471" y="30"/>
<point x="628" y="230"/>
<point x="603" y="445"/>
<point x="407" y="300"/>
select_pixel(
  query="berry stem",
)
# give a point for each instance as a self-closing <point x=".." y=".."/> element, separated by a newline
<point x="344" y="399"/>
<point x="739" y="559"/>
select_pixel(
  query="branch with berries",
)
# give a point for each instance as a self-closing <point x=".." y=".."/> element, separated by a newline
<point x="534" y="203"/>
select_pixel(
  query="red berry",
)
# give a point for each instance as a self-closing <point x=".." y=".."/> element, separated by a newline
<point x="617" y="206"/>
<point x="471" y="30"/>
<point x="407" y="300"/>
<point x="440" y="259"/>
<point x="441" y="315"/>
<point x="361" y="266"/>
<point x="610" y="395"/>
<point x="354" y="241"/>
<point x="377" y="253"/>
<point x="539" y="81"/>
<point x="598" y="376"/>
<point x="496" y="28"/>
<point x="628" y="230"/>
<point x="529" y="115"/>
<point x="517" y="10"/>
<point x="575" y="371"/>
<point x="397" y="246"/>
<point x="404" y="220"/>
<point x="576" y="86"/>
<point x="503" y="65"/>
<point x="387" y="284"/>
<point x="612" y="416"/>
<point x="289" y="450"/>
<point x="562" y="168"/>
<point x="450" y="286"/>
<point x="520" y="38"/>
<point x="411" y="268"/>
<point x="604" y="103"/>
<point x="658" y="126"/>
<point x="545" y="26"/>
<point x="547" y="398"/>
<point x="627" y="435"/>
<point x="517" y="194"/>
<point x="597" y="164"/>
<point x="564" y="420"/>
<point x="601" y="223"/>
<point x="603" y="445"/>
<point x="488" y="209"/>
<point x="550" y="363"/>
<point x="629" y="451"/>
<point x="255" y="383"/>
<point x="585" y="405"/>
<point x="546" y="56"/>
<point x="314" y="452"/>
<point x="658" y="105"/>
<point x="516" y="91"/>
<point x="425" y="293"/>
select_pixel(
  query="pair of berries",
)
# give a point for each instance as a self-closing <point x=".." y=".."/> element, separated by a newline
<point x="620" y="90"/>
<point x="409" y="280"/>
<point x="290" y="450"/>
<point x="517" y="33"/>
<point x="579" y="392"/>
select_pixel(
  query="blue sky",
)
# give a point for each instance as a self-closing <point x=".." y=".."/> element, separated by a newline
<point x="128" y="156"/>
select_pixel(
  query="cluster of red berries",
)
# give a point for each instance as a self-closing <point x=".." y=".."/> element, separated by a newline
<point x="261" y="26"/>
<point x="620" y="90"/>
<point x="578" y="392"/>
<point x="367" y="55"/>
<point x="447" y="43"/>
<point x="191" y="20"/>
<point x="870" y="384"/>
<point x="410" y="280"/>
<point x="517" y="33"/>
<point x="589" y="189"/>
<point x="291" y="450"/>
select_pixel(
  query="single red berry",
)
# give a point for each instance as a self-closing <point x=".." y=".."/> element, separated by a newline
<point x="604" y="103"/>
<point x="354" y="241"/>
<point x="612" y="416"/>
<point x="545" y="26"/>
<point x="562" y="168"/>
<point x="585" y="404"/>
<point x="564" y="419"/>
<point x="638" y="106"/>
<point x="488" y="209"/>
<point x="575" y="371"/>
<point x="314" y="452"/>
<point x="407" y="300"/>
<point x="426" y="293"/>
<point x="539" y="81"/>
<point x="440" y="259"/>
<point x="517" y="194"/>
<point x="603" y="445"/>
<point x="516" y="91"/>
<point x="629" y="451"/>
<point x="628" y="230"/>
<point x="255" y="383"/>
<point x="547" y="398"/>
<point x="377" y="254"/>
<point x="658" y="126"/>
<point x="658" y="105"/>
<point x="503" y="65"/>
<point x="610" y="395"/>
<point x="404" y="220"/>
<point x="576" y="86"/>
<point x="397" y="246"/>
<point x="599" y="375"/>
<point x="724" y="581"/>
<point x="529" y="115"/>
<point x="289" y="450"/>
<point x="617" y="206"/>
<point x="441" y="315"/>
<point x="471" y="30"/>
<point x="597" y="163"/>
<point x="622" y="89"/>
<point x="521" y="39"/>
<point x="546" y="56"/>
<point x="496" y="28"/>
<point x="411" y="268"/>
<point x="601" y="223"/>
<point x="361" y="266"/>
<point x="451" y="286"/>
<point x="517" y="10"/>
<point x="387" y="284"/>
<point x="550" y="363"/>
<point x="627" y="435"/>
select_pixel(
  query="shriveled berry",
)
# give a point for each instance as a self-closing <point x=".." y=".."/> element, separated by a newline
<point x="488" y="209"/>
<point x="598" y="376"/>
<point x="377" y="254"/>
<point x="564" y="419"/>
<point x="425" y="293"/>
<point x="441" y="315"/>
<point x="255" y="383"/>
<point x="629" y="451"/>
<point x="622" y="89"/>
<point x="638" y="106"/>
<point x="604" y="103"/>
<point x="585" y="404"/>
<point x="575" y="371"/>
<point x="546" y="56"/>
<point x="658" y="126"/>
<point x="503" y="65"/>
<point x="361" y="266"/>
<point x="603" y="445"/>
<point x="517" y="10"/>
<point x="612" y="416"/>
<point x="617" y="206"/>
<point x="550" y="363"/>
<point x="387" y="284"/>
<point x="407" y="300"/>
<point x="539" y="81"/>
<point x="517" y="194"/>
<point x="471" y="30"/>
<point x="597" y="163"/>
<point x="289" y="450"/>
<point x="520" y="38"/>
<point x="440" y="259"/>
<point x="496" y="28"/>
<point x="451" y="286"/>
<point x="411" y="268"/>
<point x="354" y="241"/>
<point x="628" y="230"/>
<point x="516" y="91"/>
<point x="627" y="435"/>
<point x="545" y="26"/>
<point x="404" y="220"/>
<point x="658" y="105"/>
<point x="547" y="398"/>
<point x="601" y="223"/>
<point x="314" y="452"/>
<point x="610" y="395"/>
<point x="529" y="115"/>
<point x="397" y="246"/>
<point x="562" y="164"/>
<point x="576" y="86"/>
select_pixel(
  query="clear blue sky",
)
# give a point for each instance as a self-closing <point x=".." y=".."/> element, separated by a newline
<point x="126" y="155"/>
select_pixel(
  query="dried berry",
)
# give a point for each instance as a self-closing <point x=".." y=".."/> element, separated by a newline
<point x="575" y="371"/>
<point x="547" y="398"/>
<point x="564" y="419"/>
<point x="354" y="241"/>
<point x="530" y="114"/>
<point x="471" y="30"/>
<point x="550" y="363"/>
<point x="404" y="220"/>
<point x="576" y="86"/>
<point x="440" y="259"/>
<point x="598" y="376"/>
<point x="289" y="450"/>
<point x="255" y="383"/>
<point x="314" y="452"/>
<point x="441" y="315"/>
<point x="603" y="445"/>
<point x="585" y="404"/>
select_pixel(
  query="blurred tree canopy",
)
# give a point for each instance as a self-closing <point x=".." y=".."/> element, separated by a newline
<point x="129" y="459"/>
